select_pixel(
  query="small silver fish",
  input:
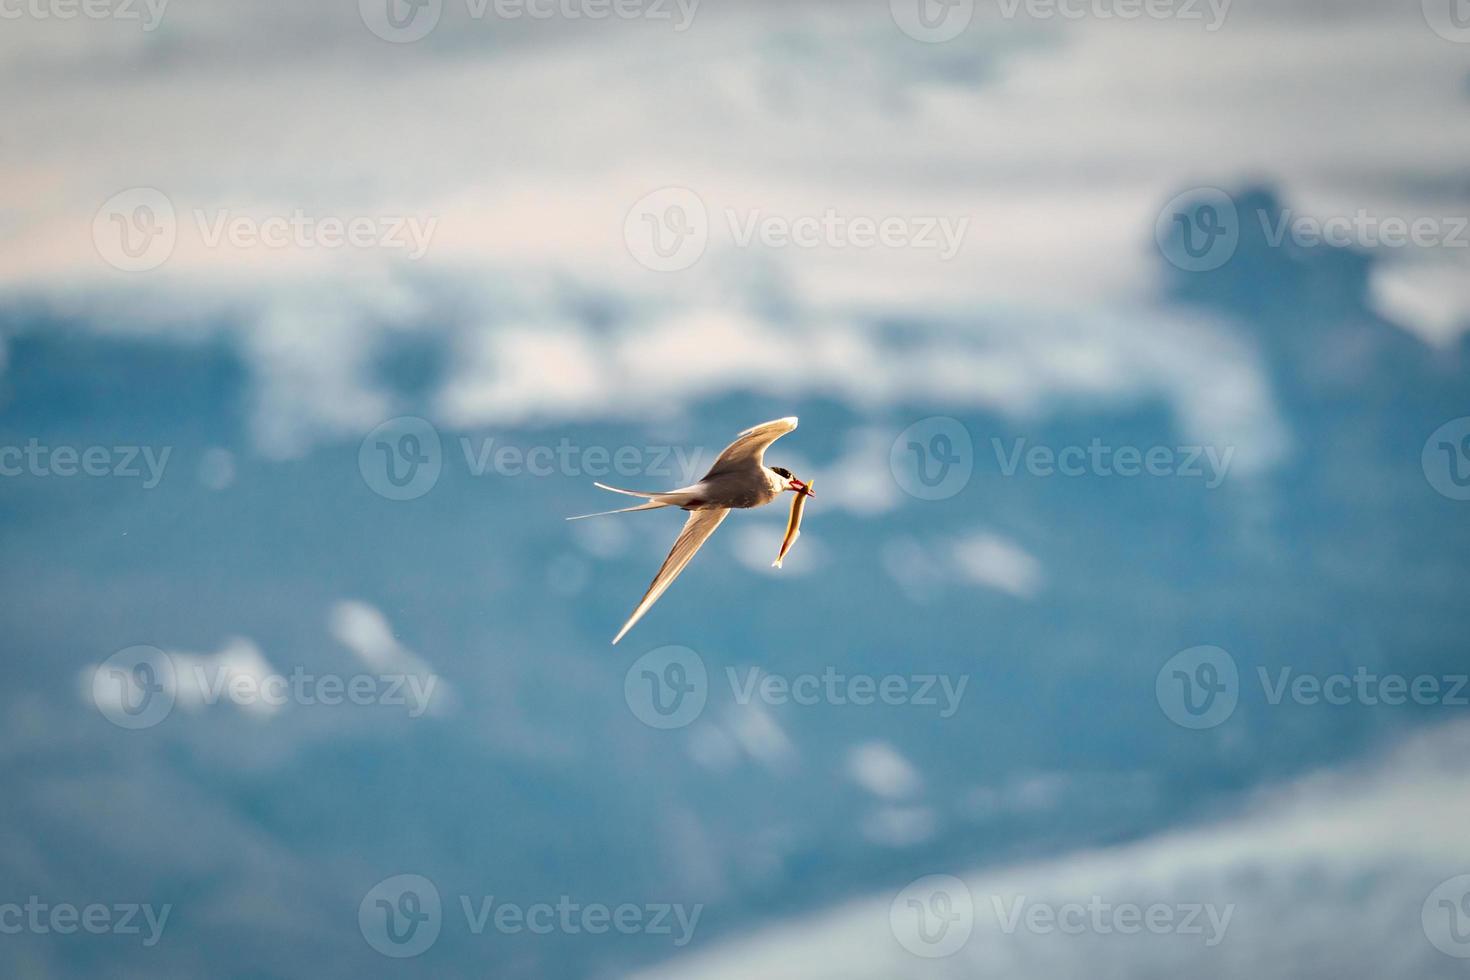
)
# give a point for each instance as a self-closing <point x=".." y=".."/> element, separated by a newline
<point x="793" y="522"/>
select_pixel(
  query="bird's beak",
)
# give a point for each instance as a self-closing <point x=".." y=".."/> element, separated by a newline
<point x="800" y="487"/>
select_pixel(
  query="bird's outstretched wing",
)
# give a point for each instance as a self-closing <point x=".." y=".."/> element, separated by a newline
<point x="749" y="448"/>
<point x="697" y="529"/>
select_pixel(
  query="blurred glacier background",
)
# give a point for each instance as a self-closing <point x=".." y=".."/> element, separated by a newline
<point x="1137" y="270"/>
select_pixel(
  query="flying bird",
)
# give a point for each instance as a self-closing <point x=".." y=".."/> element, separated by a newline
<point x="739" y="478"/>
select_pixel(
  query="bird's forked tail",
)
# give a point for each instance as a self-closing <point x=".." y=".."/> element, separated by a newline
<point x="653" y="502"/>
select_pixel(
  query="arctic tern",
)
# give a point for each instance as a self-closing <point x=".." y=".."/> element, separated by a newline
<point x="739" y="478"/>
